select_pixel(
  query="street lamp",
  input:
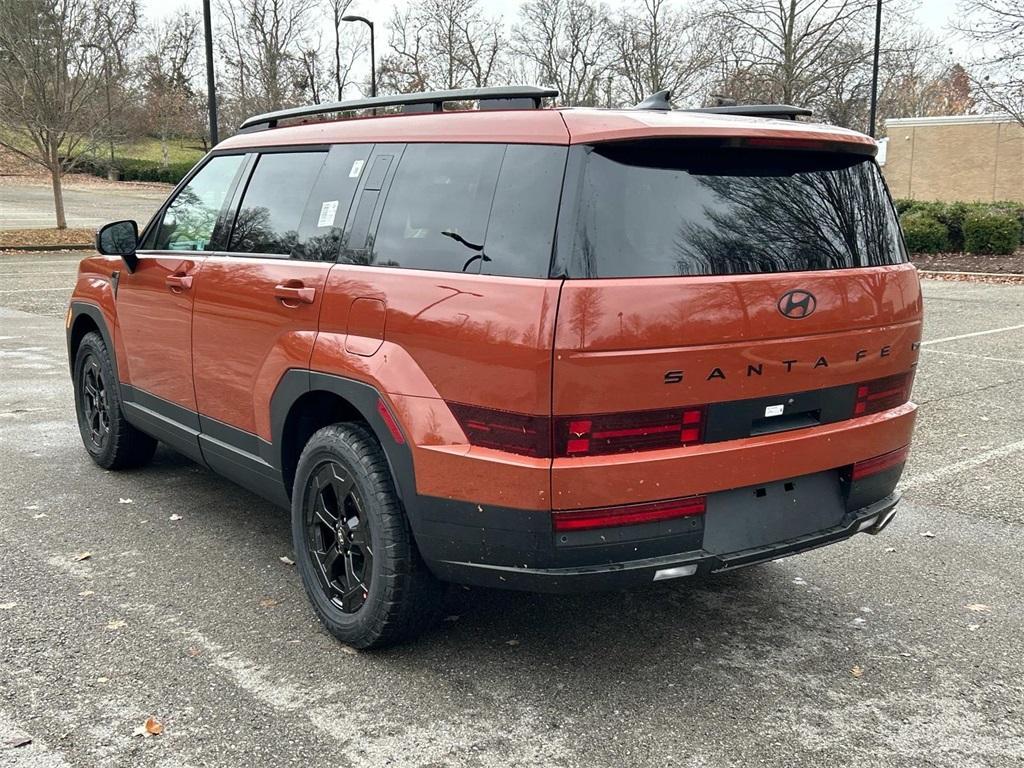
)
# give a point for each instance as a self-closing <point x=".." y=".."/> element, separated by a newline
<point x="874" y="69"/>
<point x="373" y="55"/>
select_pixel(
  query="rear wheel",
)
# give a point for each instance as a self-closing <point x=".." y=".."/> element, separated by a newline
<point x="355" y="551"/>
<point x="111" y="441"/>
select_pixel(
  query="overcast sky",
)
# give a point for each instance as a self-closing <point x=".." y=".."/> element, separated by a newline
<point x="932" y="14"/>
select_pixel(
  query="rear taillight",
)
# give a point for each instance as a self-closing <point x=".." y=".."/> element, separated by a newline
<point x="882" y="394"/>
<point x="634" y="514"/>
<point x="505" y="431"/>
<point x="870" y="467"/>
<point x="609" y="433"/>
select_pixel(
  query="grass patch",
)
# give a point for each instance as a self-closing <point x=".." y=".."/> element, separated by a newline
<point x="148" y="149"/>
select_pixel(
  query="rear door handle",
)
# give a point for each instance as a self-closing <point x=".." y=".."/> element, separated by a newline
<point x="288" y="293"/>
<point x="180" y="282"/>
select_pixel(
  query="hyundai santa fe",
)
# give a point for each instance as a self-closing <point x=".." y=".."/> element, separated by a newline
<point x="515" y="346"/>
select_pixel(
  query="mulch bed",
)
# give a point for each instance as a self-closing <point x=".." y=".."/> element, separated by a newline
<point x="966" y="262"/>
<point x="13" y="238"/>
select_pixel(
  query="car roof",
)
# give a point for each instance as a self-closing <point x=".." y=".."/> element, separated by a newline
<point x="540" y="126"/>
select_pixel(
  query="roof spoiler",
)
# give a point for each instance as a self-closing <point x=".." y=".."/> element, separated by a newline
<point x="661" y="101"/>
<point x="504" y="97"/>
<point x="776" y="111"/>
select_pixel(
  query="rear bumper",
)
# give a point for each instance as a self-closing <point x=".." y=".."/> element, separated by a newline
<point x="637" y="571"/>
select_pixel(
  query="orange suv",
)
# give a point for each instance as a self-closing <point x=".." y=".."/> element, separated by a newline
<point x="515" y="346"/>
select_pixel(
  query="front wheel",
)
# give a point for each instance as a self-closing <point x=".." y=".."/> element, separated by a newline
<point x="111" y="441"/>
<point x="354" y="548"/>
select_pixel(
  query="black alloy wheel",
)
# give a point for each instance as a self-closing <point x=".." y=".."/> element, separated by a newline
<point x="339" y="537"/>
<point x="92" y="393"/>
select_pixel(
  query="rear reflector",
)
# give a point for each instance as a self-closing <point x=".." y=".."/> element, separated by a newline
<point x="610" y="433"/>
<point x="881" y="463"/>
<point x="634" y="514"/>
<point x="882" y="394"/>
<point x="389" y="420"/>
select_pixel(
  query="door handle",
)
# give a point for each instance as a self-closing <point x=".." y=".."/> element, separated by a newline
<point x="288" y="293"/>
<point x="179" y="282"/>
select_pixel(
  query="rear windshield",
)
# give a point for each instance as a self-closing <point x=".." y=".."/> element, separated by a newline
<point x="660" y="208"/>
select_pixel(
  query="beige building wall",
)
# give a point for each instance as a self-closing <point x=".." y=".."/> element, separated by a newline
<point x="966" y="157"/>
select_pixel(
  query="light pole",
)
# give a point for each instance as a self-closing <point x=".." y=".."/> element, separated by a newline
<point x="373" y="54"/>
<point x="211" y="86"/>
<point x="874" y="69"/>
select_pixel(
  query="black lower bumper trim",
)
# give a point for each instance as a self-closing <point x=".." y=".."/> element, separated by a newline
<point x="869" y="519"/>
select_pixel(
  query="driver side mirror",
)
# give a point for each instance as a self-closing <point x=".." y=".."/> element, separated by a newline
<point x="119" y="238"/>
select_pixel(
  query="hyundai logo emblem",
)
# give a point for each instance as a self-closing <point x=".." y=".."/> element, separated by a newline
<point x="797" y="304"/>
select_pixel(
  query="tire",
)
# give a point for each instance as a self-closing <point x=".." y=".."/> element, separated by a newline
<point x="353" y="545"/>
<point x="111" y="441"/>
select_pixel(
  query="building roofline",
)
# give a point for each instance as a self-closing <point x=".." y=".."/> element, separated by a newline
<point x="909" y="122"/>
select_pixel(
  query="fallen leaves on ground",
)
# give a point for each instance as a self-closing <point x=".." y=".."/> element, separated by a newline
<point x="268" y="602"/>
<point x="117" y="624"/>
<point x="12" y="238"/>
<point x="511" y="642"/>
<point x="83" y="556"/>
<point x="978" y="608"/>
<point x="86" y="593"/>
<point x="125" y="501"/>
<point x="928" y="535"/>
<point x="286" y="560"/>
<point x="175" y="518"/>
<point x="7" y="606"/>
<point x="18" y="741"/>
<point x="857" y="671"/>
<point x="152" y="727"/>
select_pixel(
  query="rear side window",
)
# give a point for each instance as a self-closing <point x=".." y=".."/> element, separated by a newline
<point x="323" y="223"/>
<point x="660" y="208"/>
<point x="189" y="221"/>
<point x="436" y="212"/>
<point x="275" y="197"/>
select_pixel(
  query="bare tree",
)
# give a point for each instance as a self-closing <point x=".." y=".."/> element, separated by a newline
<point x="661" y="46"/>
<point x="440" y="44"/>
<point x="345" y="49"/>
<point x="995" y="28"/>
<point x="567" y="44"/>
<point x="268" y="42"/>
<point x="168" y="68"/>
<point x="798" y="47"/>
<point x="52" y="78"/>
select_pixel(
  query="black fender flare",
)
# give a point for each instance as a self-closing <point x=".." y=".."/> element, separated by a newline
<point x="94" y="313"/>
<point x="364" y="398"/>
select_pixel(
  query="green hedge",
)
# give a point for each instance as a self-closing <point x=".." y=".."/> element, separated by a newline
<point x="991" y="232"/>
<point x="133" y="169"/>
<point x="971" y="227"/>
<point x="924" y="233"/>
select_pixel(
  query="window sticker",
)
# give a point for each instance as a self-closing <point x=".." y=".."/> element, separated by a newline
<point x="357" y="168"/>
<point x="328" y="210"/>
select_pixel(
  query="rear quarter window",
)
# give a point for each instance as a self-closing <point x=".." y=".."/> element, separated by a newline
<point x="472" y="208"/>
<point x="664" y="208"/>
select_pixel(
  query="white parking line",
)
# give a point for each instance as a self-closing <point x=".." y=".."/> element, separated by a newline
<point x="941" y="473"/>
<point x="33" y="290"/>
<point x="975" y="357"/>
<point x="33" y="274"/>
<point x="971" y="335"/>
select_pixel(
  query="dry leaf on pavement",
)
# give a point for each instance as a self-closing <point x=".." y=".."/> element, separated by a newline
<point x="978" y="608"/>
<point x="857" y="671"/>
<point x="286" y="560"/>
<point x="152" y="727"/>
<point x="83" y="556"/>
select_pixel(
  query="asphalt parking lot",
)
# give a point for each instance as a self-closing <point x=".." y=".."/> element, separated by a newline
<point x="897" y="650"/>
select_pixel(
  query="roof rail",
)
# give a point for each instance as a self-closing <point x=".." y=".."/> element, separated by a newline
<point x="504" y="97"/>
<point x="777" y="111"/>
